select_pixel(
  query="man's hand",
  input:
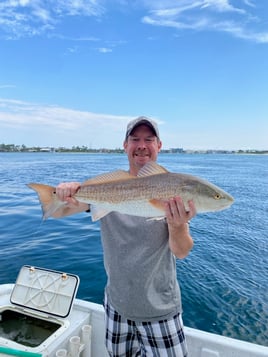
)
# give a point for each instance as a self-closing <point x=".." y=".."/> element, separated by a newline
<point x="176" y="213"/>
<point x="66" y="191"/>
<point x="180" y="240"/>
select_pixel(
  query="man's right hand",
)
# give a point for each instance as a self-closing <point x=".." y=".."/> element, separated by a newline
<point x="66" y="191"/>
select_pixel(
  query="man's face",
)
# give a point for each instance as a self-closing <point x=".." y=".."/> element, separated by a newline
<point x="141" y="146"/>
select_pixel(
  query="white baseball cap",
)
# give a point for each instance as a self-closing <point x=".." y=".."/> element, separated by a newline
<point x="133" y="124"/>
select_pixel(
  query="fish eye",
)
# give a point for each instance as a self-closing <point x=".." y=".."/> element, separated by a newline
<point x="217" y="196"/>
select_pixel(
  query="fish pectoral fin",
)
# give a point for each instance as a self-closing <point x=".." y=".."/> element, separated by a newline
<point x="158" y="204"/>
<point x="97" y="212"/>
<point x="109" y="177"/>
<point x="151" y="168"/>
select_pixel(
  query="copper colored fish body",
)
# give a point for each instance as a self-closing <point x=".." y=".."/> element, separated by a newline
<point x="143" y="195"/>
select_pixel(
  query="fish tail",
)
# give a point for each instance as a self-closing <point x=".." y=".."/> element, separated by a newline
<point x="51" y="205"/>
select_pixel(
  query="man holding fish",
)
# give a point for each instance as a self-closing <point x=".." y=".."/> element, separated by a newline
<point x="144" y="215"/>
<point x="142" y="302"/>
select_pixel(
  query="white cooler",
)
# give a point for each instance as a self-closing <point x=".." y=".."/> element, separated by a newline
<point x="37" y="317"/>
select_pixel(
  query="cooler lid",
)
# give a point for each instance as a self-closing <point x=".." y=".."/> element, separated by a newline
<point x="44" y="290"/>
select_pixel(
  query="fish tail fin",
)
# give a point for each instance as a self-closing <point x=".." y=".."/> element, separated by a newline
<point x="51" y="205"/>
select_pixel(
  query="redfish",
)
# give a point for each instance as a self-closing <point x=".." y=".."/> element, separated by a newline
<point x="143" y="195"/>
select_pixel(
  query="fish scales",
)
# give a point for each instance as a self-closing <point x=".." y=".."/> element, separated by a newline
<point x="157" y="187"/>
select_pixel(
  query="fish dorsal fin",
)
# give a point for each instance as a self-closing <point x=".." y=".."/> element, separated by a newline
<point x="151" y="168"/>
<point x="109" y="177"/>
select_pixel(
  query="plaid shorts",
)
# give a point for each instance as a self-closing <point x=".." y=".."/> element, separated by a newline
<point x="126" y="338"/>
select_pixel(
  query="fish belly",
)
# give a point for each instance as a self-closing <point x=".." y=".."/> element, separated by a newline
<point x="137" y="208"/>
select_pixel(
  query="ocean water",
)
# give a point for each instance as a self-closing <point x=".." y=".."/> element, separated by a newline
<point x="224" y="280"/>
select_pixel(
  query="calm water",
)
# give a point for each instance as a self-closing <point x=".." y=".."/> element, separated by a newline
<point x="224" y="280"/>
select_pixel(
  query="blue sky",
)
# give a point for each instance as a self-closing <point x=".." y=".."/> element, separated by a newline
<point x="74" y="72"/>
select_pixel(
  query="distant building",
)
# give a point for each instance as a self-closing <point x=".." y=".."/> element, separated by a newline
<point x="176" y="150"/>
<point x="47" y="149"/>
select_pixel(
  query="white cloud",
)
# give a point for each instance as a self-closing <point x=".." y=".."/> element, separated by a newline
<point x="221" y="6"/>
<point x="219" y="15"/>
<point x="18" y="113"/>
<point x="78" y="7"/>
<point x="35" y="124"/>
<point x="239" y="31"/>
<point x="27" y="18"/>
<point x="104" y="49"/>
<point x="249" y="3"/>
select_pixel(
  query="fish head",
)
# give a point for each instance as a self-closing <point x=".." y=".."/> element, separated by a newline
<point x="211" y="198"/>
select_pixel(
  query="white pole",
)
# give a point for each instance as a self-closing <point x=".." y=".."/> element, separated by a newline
<point x="86" y="340"/>
<point x="75" y="346"/>
<point x="61" y="353"/>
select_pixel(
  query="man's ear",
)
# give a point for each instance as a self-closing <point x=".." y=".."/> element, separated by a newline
<point x="125" y="145"/>
<point x="159" y="145"/>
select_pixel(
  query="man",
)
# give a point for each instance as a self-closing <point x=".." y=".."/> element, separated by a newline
<point x="142" y="296"/>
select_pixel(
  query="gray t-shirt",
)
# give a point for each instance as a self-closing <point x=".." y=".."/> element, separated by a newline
<point x="142" y="282"/>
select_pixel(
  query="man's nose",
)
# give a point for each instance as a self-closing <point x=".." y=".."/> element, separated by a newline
<point x="142" y="145"/>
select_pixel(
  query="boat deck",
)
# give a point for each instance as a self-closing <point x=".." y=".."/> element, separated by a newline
<point x="200" y="343"/>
